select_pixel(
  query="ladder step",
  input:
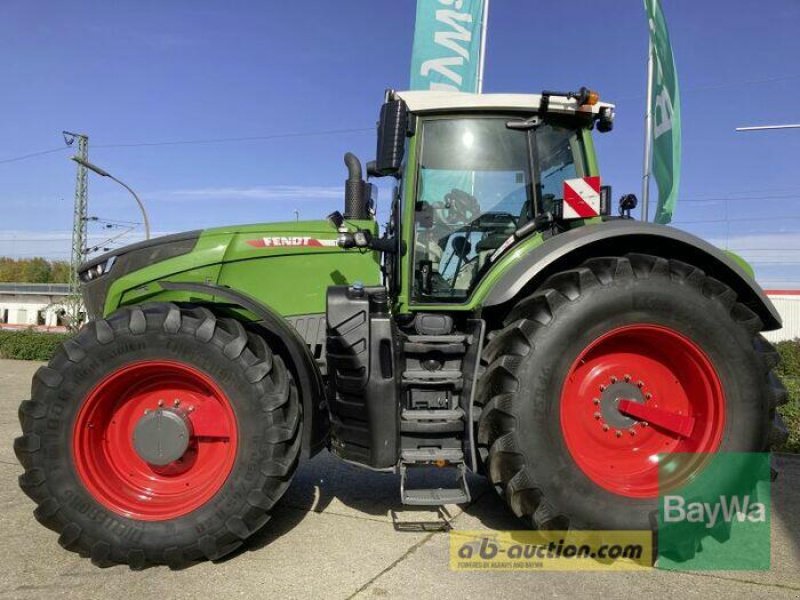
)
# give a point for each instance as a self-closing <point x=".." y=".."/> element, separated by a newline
<point x="435" y="497"/>
<point x="431" y="421"/>
<point x="420" y="348"/>
<point x="432" y="415"/>
<point x="437" y="339"/>
<point x="432" y="375"/>
<point x="431" y="455"/>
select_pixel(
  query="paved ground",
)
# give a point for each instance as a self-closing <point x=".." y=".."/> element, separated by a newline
<point x="332" y="537"/>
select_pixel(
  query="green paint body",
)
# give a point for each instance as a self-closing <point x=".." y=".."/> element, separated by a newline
<point x="293" y="279"/>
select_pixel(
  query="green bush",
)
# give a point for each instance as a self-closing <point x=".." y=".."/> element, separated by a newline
<point x="29" y="344"/>
<point x="789" y="372"/>
<point x="33" y="345"/>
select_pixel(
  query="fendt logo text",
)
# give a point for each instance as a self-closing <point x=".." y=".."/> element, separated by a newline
<point x="291" y="241"/>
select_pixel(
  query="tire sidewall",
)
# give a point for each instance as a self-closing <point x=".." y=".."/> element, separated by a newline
<point x="657" y="301"/>
<point x="78" y="504"/>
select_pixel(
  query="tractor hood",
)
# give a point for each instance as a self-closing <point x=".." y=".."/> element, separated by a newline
<point x="218" y="255"/>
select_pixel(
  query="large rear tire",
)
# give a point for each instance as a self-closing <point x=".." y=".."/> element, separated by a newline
<point x="160" y="435"/>
<point x="657" y="331"/>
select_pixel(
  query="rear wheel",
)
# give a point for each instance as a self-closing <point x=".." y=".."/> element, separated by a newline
<point x="608" y="366"/>
<point x="161" y="435"/>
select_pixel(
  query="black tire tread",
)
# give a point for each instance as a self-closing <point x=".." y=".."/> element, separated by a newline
<point x="497" y="399"/>
<point x="280" y="405"/>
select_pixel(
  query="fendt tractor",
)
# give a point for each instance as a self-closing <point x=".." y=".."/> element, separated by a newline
<point x="507" y="321"/>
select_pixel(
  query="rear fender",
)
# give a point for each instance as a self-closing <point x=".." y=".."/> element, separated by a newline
<point x="615" y="238"/>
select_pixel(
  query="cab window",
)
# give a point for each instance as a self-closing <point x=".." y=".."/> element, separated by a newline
<point x="478" y="182"/>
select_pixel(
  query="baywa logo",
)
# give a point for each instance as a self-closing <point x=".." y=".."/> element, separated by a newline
<point x="719" y="519"/>
<point x="676" y="509"/>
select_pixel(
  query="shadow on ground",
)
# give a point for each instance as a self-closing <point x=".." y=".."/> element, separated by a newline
<point x="326" y="484"/>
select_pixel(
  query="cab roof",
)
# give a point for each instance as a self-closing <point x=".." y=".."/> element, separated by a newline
<point x="428" y="101"/>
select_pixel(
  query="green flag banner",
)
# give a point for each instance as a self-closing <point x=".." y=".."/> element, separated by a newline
<point x="447" y="43"/>
<point x="666" y="114"/>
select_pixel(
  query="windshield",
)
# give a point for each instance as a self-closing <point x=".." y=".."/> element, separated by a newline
<point x="478" y="182"/>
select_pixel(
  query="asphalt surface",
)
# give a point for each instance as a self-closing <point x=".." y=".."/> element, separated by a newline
<point x="333" y="536"/>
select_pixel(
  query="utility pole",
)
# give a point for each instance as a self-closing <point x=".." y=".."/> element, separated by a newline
<point x="648" y="127"/>
<point x="482" y="57"/>
<point x="79" y="224"/>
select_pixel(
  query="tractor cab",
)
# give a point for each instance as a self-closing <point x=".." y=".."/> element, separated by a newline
<point x="475" y="172"/>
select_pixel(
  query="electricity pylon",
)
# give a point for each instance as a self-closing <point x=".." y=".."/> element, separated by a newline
<point x="79" y="227"/>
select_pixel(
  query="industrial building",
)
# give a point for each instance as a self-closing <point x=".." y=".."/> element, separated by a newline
<point x="40" y="305"/>
<point x="37" y="305"/>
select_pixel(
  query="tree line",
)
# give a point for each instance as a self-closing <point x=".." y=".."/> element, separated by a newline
<point x="33" y="270"/>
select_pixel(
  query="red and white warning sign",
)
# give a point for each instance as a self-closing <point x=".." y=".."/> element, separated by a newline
<point x="581" y="198"/>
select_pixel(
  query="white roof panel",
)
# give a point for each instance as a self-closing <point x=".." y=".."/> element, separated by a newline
<point x="420" y="101"/>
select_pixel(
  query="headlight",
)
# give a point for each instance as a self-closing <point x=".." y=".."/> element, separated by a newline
<point x="98" y="270"/>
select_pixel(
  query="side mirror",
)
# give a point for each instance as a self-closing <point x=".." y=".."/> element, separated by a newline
<point x="392" y="130"/>
<point x="605" y="120"/>
<point x="626" y="204"/>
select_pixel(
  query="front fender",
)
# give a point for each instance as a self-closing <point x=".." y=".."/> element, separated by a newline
<point x="617" y="237"/>
<point x="307" y="376"/>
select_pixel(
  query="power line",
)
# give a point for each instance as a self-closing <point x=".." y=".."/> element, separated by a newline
<point x="252" y="138"/>
<point x="727" y="198"/>
<point x="738" y="219"/>
<point x="32" y="155"/>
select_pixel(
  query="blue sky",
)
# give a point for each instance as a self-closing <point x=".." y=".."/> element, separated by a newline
<point x="150" y="72"/>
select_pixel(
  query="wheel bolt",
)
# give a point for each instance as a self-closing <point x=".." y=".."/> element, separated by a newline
<point x="613" y="379"/>
<point x="190" y="409"/>
<point x="597" y="415"/>
<point x="596" y="401"/>
<point x="161" y="403"/>
<point x="602" y="388"/>
<point x="632" y="431"/>
<point x="644" y="423"/>
<point x="618" y="433"/>
<point x="627" y="378"/>
<point x="176" y="402"/>
<point x="640" y="384"/>
<point x="605" y="428"/>
<point x="648" y="395"/>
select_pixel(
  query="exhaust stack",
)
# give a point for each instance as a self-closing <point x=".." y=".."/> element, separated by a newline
<point x="355" y="189"/>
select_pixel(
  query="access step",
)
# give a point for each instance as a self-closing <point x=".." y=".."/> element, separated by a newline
<point x="431" y="421"/>
<point x="414" y="459"/>
<point x="421" y="378"/>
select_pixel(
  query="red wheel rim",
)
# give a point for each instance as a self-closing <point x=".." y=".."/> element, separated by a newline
<point x="109" y="465"/>
<point x="633" y="394"/>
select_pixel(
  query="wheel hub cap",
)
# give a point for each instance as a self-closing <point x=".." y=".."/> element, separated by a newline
<point x="162" y="436"/>
<point x="634" y="396"/>
<point x="609" y="404"/>
<point x="155" y="440"/>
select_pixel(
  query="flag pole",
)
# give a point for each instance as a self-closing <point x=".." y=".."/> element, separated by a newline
<point x="482" y="58"/>
<point x="648" y="124"/>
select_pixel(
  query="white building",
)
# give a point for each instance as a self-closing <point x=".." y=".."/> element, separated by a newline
<point x="788" y="304"/>
<point x="38" y="305"/>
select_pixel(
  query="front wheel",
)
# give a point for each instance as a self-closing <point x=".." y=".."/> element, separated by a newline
<point x="161" y="435"/>
<point x="608" y="369"/>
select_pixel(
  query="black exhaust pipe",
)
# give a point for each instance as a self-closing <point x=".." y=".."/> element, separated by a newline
<point x="355" y="189"/>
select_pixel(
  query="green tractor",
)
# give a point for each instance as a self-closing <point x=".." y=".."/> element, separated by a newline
<point x="504" y="322"/>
